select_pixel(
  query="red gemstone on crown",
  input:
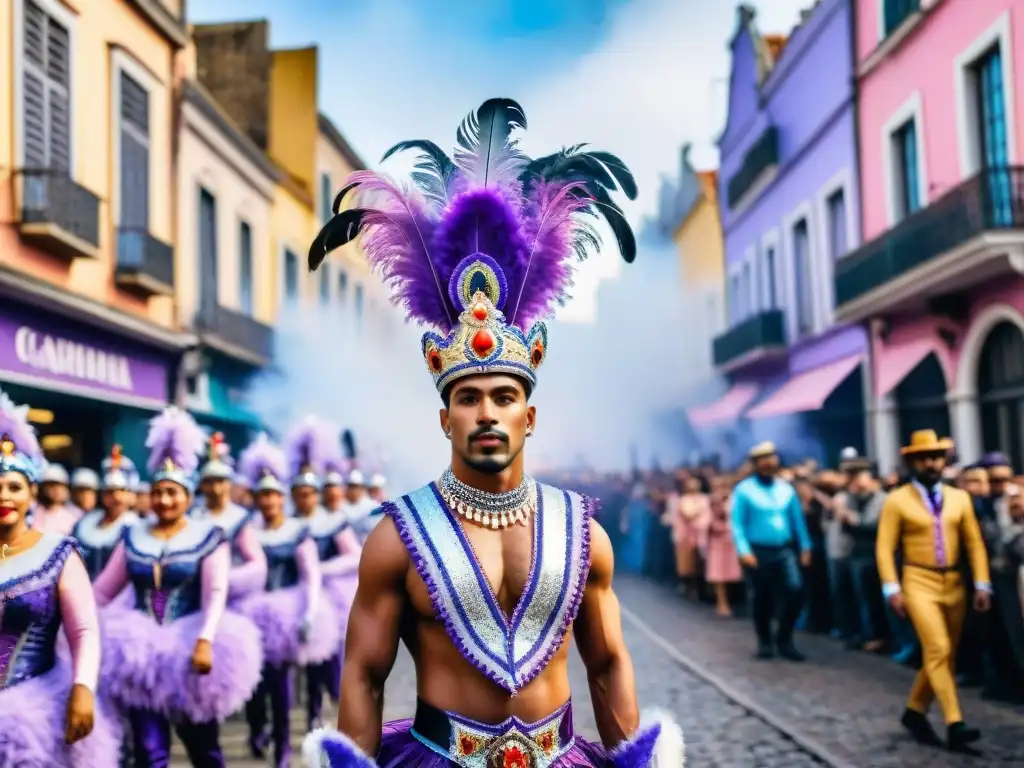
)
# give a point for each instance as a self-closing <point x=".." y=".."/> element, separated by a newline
<point x="480" y="312"/>
<point x="434" y="361"/>
<point x="538" y="354"/>
<point x="515" y="758"/>
<point x="483" y="342"/>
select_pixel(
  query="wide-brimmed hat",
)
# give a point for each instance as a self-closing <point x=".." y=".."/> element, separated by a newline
<point x="759" y="451"/>
<point x="926" y="441"/>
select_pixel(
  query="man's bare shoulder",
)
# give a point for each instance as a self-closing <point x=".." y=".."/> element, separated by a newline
<point x="384" y="557"/>
<point x="602" y="557"/>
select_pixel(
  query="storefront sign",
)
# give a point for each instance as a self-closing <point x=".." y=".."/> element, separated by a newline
<point x="63" y="351"/>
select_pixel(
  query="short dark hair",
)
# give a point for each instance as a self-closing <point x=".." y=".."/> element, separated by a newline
<point x="446" y="393"/>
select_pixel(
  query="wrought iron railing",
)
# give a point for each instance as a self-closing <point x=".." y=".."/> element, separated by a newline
<point x="764" y="330"/>
<point x="51" y="196"/>
<point x="237" y="329"/>
<point x="761" y="156"/>
<point x="141" y="255"/>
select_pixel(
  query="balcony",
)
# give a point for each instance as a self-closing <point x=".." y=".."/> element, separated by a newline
<point x="972" y="234"/>
<point x="145" y="265"/>
<point x="759" y="163"/>
<point x="757" y="338"/>
<point x="57" y="215"/>
<point x="235" y="334"/>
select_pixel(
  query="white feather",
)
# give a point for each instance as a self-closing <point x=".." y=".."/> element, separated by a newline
<point x="669" y="749"/>
<point x="313" y="755"/>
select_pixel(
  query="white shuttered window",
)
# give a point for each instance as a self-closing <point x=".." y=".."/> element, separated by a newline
<point x="47" y="90"/>
<point x="134" y="111"/>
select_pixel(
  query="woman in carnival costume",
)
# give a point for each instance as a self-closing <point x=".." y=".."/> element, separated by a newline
<point x="49" y="716"/>
<point x="53" y="511"/>
<point x="338" y="548"/>
<point x="482" y="248"/>
<point x="248" y="563"/>
<point x="180" y="657"/>
<point x="296" y="625"/>
<point x="99" y="531"/>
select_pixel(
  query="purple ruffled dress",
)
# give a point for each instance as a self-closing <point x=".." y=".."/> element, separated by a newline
<point x="35" y="681"/>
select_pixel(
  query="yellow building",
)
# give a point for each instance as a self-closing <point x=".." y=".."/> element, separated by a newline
<point x="87" y="216"/>
<point x="689" y="214"/>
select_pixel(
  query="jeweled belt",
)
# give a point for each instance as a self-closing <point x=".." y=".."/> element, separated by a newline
<point x="511" y="744"/>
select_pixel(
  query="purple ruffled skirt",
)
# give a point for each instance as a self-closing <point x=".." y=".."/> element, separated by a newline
<point x="341" y="590"/>
<point x="279" y="614"/>
<point x="146" y="665"/>
<point x="33" y="721"/>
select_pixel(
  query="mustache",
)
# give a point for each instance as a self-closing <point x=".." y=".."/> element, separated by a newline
<point x="488" y="432"/>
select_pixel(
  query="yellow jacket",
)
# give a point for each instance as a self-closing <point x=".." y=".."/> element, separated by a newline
<point x="907" y="521"/>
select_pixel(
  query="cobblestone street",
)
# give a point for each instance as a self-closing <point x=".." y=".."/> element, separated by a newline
<point x="838" y="709"/>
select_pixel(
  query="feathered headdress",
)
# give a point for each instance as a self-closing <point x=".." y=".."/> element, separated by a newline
<point x="309" y="446"/>
<point x="481" y="246"/>
<point x="175" y="443"/>
<point x="263" y="465"/>
<point x="219" y="465"/>
<point x="335" y="468"/>
<point x="119" y="472"/>
<point x="19" y="448"/>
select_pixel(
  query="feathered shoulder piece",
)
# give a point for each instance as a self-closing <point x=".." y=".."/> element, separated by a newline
<point x="481" y="246"/>
<point x="263" y="465"/>
<point x="310" y="445"/>
<point x="19" y="447"/>
<point x="175" y="443"/>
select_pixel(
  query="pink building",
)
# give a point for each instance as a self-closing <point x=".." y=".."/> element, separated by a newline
<point x="938" y="280"/>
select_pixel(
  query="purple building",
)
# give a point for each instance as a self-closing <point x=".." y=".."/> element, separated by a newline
<point x="788" y="201"/>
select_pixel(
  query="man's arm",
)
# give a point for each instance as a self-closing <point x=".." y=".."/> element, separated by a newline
<point x="886" y="541"/>
<point x="598" y="633"/>
<point x="739" y="523"/>
<point x="373" y="636"/>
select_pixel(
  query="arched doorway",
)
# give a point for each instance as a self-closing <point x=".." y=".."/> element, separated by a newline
<point x="1001" y="391"/>
<point x="921" y="400"/>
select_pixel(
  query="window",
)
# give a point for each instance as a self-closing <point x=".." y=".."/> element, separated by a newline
<point x="907" y="197"/>
<point x="343" y="286"/>
<point x="325" y="198"/>
<point x="291" y="276"/>
<point x="735" y="300"/>
<point x="325" y="285"/>
<point x="748" y="290"/>
<point x="245" y="297"/>
<point x="835" y="208"/>
<point x="770" y="277"/>
<point x="134" y="112"/>
<point x="208" y="296"/>
<point x="897" y="11"/>
<point x="990" y="109"/>
<point x="47" y="90"/>
<point x="803" y="278"/>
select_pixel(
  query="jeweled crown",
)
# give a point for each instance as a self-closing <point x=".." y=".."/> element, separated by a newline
<point x="482" y="341"/>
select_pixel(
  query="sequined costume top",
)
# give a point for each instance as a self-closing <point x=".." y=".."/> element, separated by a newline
<point x="167" y="574"/>
<point x="232" y="521"/>
<point x="324" y="527"/>
<point x="97" y="541"/>
<point x="30" y="615"/>
<point x="510" y="650"/>
<point x="281" y="546"/>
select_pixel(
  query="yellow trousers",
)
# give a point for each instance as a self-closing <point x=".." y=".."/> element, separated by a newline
<point x="936" y="604"/>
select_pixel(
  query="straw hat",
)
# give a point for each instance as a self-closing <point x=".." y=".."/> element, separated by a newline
<point x="759" y="451"/>
<point x="926" y="441"/>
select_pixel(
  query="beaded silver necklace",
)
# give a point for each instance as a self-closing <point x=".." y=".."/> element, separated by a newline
<point x="489" y="510"/>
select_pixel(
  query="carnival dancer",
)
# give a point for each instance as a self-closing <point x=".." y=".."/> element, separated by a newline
<point x="338" y="548"/>
<point x="180" y="657"/>
<point x="333" y="496"/>
<point x="143" y="504"/>
<point x="359" y="506"/>
<point x="482" y="250"/>
<point x="85" y="485"/>
<point x="376" y="489"/>
<point x="296" y="626"/>
<point x="249" y="564"/>
<point x="241" y="493"/>
<point x="99" y="531"/>
<point x="52" y="513"/>
<point x="48" y="708"/>
<point x="932" y="523"/>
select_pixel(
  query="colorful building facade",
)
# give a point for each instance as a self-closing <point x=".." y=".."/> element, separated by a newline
<point x="88" y="330"/>
<point x="789" y="205"/>
<point x="938" y="279"/>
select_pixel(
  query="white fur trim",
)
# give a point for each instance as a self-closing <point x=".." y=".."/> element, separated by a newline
<point x="313" y="751"/>
<point x="670" y="749"/>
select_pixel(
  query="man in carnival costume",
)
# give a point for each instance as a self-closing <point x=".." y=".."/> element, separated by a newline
<point x="482" y="249"/>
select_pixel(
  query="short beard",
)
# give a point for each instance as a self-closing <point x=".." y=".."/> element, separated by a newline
<point x="488" y="465"/>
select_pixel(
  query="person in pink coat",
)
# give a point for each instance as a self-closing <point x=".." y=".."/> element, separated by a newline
<point x="687" y="514"/>
<point x="722" y="565"/>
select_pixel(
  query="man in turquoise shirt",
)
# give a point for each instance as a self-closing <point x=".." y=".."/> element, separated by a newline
<point x="768" y="528"/>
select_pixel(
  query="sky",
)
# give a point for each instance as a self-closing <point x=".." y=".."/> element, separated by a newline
<point x="634" y="77"/>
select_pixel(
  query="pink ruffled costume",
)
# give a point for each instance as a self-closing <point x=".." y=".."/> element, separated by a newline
<point x="42" y="589"/>
<point x="180" y="587"/>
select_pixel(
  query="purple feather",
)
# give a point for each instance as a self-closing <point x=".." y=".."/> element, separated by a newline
<point x="261" y="458"/>
<point x="336" y="463"/>
<point x="310" y="444"/>
<point x="14" y="423"/>
<point x="175" y="435"/>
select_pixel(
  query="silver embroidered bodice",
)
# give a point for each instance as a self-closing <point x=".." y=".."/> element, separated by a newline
<point x="511" y="651"/>
<point x="281" y="545"/>
<point x="98" y="541"/>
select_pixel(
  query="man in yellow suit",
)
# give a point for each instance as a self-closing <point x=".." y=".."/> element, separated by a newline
<point x="932" y="523"/>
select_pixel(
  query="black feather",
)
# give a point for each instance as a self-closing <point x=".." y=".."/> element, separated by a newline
<point x="340" y="198"/>
<point x="487" y="131"/>
<point x="620" y="171"/>
<point x="434" y="169"/>
<point x="603" y="206"/>
<point x="343" y="228"/>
